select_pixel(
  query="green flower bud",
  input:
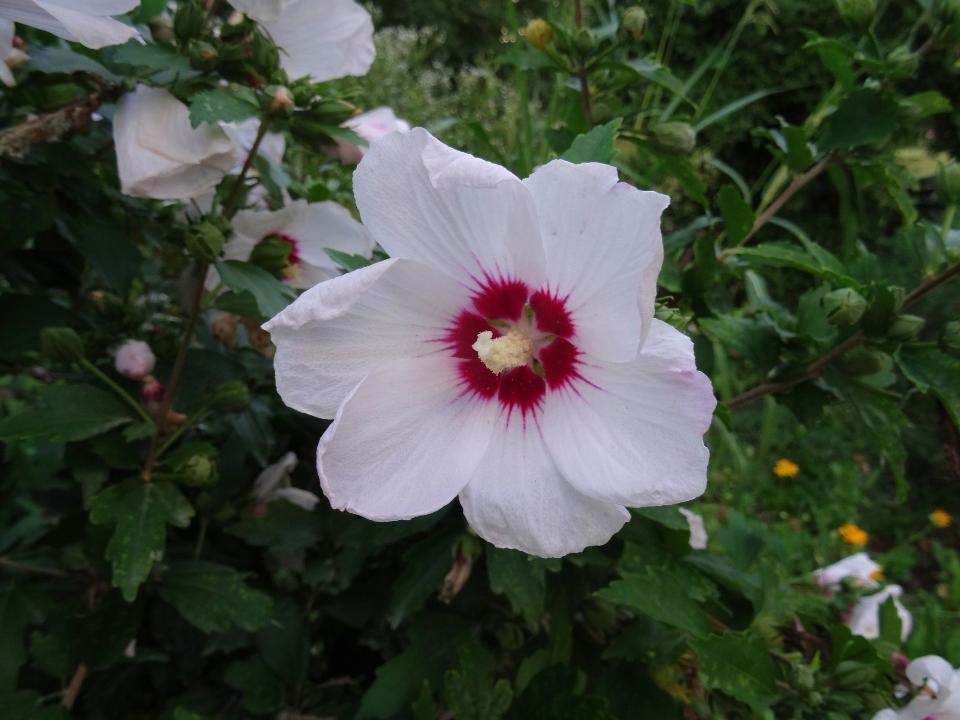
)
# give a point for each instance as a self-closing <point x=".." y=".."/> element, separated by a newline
<point x="950" y="340"/>
<point x="61" y="343"/>
<point x="858" y="13"/>
<point x="278" y="100"/>
<point x="272" y="254"/>
<point x="199" y="471"/>
<point x="903" y="62"/>
<point x="205" y="241"/>
<point x="675" y="136"/>
<point x="538" y="33"/>
<point x="863" y="361"/>
<point x="584" y="41"/>
<point x="231" y="397"/>
<point x="948" y="182"/>
<point x="634" y="23"/>
<point x="265" y="55"/>
<point x="844" y="306"/>
<point x="190" y="21"/>
<point x="906" y="327"/>
<point x="203" y="55"/>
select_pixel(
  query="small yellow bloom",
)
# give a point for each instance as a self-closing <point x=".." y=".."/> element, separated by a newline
<point x="941" y="518"/>
<point x="853" y="534"/>
<point x="876" y="574"/>
<point x="538" y="33"/>
<point x="785" y="468"/>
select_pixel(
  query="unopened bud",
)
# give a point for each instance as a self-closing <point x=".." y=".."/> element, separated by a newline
<point x="863" y="361"/>
<point x="162" y="30"/>
<point x="279" y="100"/>
<point x="948" y="183"/>
<point x="858" y="13"/>
<point x="203" y="55"/>
<point x="906" y="327"/>
<point x="538" y="33"/>
<point x="903" y="62"/>
<point x="152" y="390"/>
<point x="272" y="254"/>
<point x="106" y="303"/>
<point x="634" y="23"/>
<point x="675" y="136"/>
<point x="844" y="306"/>
<point x="199" y="471"/>
<point x="231" y="397"/>
<point x="190" y="20"/>
<point x="205" y="241"/>
<point x="584" y="41"/>
<point x="950" y="340"/>
<point x="224" y="329"/>
<point x="134" y="360"/>
<point x="264" y="54"/>
<point x="61" y="343"/>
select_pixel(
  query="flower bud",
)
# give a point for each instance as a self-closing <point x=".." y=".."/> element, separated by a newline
<point x="161" y="28"/>
<point x="190" y="21"/>
<point x="950" y="340"/>
<point x="203" y="55"/>
<point x="199" y="471"/>
<point x="205" y="241"/>
<point x="906" y="327"/>
<point x="858" y="13"/>
<point x="634" y="23"/>
<point x="675" y="136"/>
<point x="231" y="397"/>
<point x="278" y="100"/>
<point x="106" y="303"/>
<point x="948" y="183"/>
<point x="272" y="254"/>
<point x="538" y="33"/>
<point x="152" y="390"/>
<point x="61" y="343"/>
<point x="863" y="361"/>
<point x="903" y="62"/>
<point x="134" y="360"/>
<point x="844" y="306"/>
<point x="264" y="53"/>
<point x="584" y="41"/>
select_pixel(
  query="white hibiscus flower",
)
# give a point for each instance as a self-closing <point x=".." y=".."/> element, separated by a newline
<point x="863" y="572"/>
<point x="309" y="228"/>
<point x="371" y="126"/>
<point x="506" y="353"/>
<point x="160" y="155"/>
<point x="939" y="695"/>
<point x="86" y="21"/>
<point x="698" y="532"/>
<point x="864" y="619"/>
<point x="11" y="57"/>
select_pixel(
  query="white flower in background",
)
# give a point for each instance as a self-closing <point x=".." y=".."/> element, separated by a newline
<point x="11" y="57"/>
<point x="371" y="126"/>
<point x="274" y="484"/>
<point x="939" y="695"/>
<point x="862" y="571"/>
<point x="309" y="228"/>
<point x="244" y="135"/>
<point x="159" y="154"/>
<point x="325" y="40"/>
<point x="134" y="360"/>
<point x="86" y="21"/>
<point x="864" y="619"/>
<point x="506" y="353"/>
<point x="698" y="533"/>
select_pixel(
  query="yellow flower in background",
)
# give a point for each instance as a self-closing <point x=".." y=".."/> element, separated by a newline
<point x="853" y="534"/>
<point x="941" y="518"/>
<point x="785" y="468"/>
<point x="876" y="575"/>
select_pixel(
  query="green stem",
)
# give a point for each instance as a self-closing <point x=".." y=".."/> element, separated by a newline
<point x="189" y="423"/>
<point x="523" y="89"/>
<point x="948" y="216"/>
<point x="123" y="394"/>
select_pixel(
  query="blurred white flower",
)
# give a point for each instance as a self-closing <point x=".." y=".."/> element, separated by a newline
<point x="259" y="10"/>
<point x="309" y="228"/>
<point x="698" y="533"/>
<point x="88" y="21"/>
<point x="863" y="572"/>
<point x="274" y="484"/>
<point x="159" y="154"/>
<point x="11" y="57"/>
<point x="371" y="126"/>
<point x="506" y="353"/>
<point x="134" y="359"/>
<point x="244" y="135"/>
<point x="864" y="619"/>
<point x="939" y="694"/>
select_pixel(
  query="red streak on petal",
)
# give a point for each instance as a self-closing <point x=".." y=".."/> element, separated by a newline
<point x="521" y="389"/>
<point x="560" y="360"/>
<point x="463" y="334"/>
<point x="501" y="299"/>
<point x="552" y="314"/>
<point x="477" y="379"/>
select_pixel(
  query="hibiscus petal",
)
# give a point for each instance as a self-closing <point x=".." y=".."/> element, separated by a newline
<point x="633" y="433"/>
<point x="425" y="201"/>
<point x="324" y="40"/>
<point x="930" y="667"/>
<point x="260" y="10"/>
<point x="518" y="499"/>
<point x="603" y="244"/>
<point x="328" y="225"/>
<point x="341" y="330"/>
<point x="90" y="26"/>
<point x="404" y="442"/>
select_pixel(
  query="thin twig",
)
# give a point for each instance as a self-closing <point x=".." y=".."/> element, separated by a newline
<point x="33" y="569"/>
<point x="583" y="74"/>
<point x="73" y="689"/>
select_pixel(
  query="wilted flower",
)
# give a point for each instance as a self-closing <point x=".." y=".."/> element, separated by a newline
<point x="939" y="695"/>
<point x="698" y="533"/>
<point x="274" y="484"/>
<point x="11" y="57"/>
<point x="864" y="617"/>
<point x="853" y="534"/>
<point x="134" y="359"/>
<point x="941" y="518"/>
<point x="784" y="468"/>
<point x="507" y="353"/>
<point x="862" y="571"/>
<point x="159" y="154"/>
<point x="371" y="126"/>
<point x="87" y="22"/>
<point x="298" y="235"/>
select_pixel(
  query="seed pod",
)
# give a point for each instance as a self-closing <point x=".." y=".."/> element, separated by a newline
<point x="199" y="471"/>
<point x="634" y="23"/>
<point x="844" y="306"/>
<point x="538" y="33"/>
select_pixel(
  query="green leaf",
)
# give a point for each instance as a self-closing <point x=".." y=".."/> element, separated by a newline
<point x="56" y="59"/>
<point x="734" y="107"/>
<point x="28" y="705"/>
<point x="522" y="578"/>
<point x="147" y="58"/>
<point x="865" y="117"/>
<point x="223" y="104"/>
<point x="426" y="563"/>
<point x="347" y="261"/>
<point x="657" y="74"/>
<point x="66" y="413"/>
<point x="595" y="145"/>
<point x="261" y="691"/>
<point x="784" y="255"/>
<point x="14" y="615"/>
<point x="470" y="691"/>
<point x="738" y="216"/>
<point x="140" y="513"/>
<point x="284" y="643"/>
<point x="933" y="371"/>
<point x="660" y="594"/>
<point x="889" y="622"/>
<point x="271" y="295"/>
<point x="752" y="337"/>
<point x="739" y="665"/>
<point x="214" y="597"/>
<point x="283" y="527"/>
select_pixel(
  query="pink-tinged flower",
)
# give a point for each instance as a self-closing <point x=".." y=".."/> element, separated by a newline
<point x="87" y="22"/>
<point x="274" y="484"/>
<point x="160" y="155"/>
<point x="134" y="359"/>
<point x="371" y="126"/>
<point x="864" y="618"/>
<point x="506" y="353"/>
<point x="323" y="40"/>
<point x="309" y="229"/>
<point x="861" y="570"/>
<point x="11" y="56"/>
<point x="698" y="532"/>
<point x="939" y="692"/>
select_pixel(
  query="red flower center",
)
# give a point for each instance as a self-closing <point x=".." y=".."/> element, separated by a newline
<point x="498" y="307"/>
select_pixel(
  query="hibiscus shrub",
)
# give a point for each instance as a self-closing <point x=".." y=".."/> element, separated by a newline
<point x="219" y="245"/>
